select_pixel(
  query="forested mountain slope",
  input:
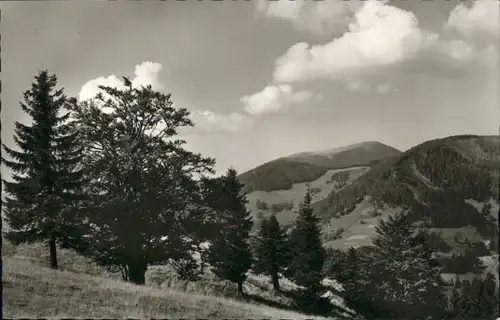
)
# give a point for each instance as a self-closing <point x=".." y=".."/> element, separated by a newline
<point x="451" y="185"/>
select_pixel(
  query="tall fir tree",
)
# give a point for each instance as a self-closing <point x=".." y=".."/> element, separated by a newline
<point x="405" y="271"/>
<point x="307" y="255"/>
<point x="46" y="171"/>
<point x="230" y="255"/>
<point x="272" y="251"/>
<point x="354" y="271"/>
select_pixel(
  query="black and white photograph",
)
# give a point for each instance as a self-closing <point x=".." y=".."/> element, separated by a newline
<point x="250" y="159"/>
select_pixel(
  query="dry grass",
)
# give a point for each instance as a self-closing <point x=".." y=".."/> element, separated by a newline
<point x="157" y="277"/>
<point x="33" y="292"/>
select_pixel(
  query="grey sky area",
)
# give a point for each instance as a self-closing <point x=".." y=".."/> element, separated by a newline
<point x="267" y="79"/>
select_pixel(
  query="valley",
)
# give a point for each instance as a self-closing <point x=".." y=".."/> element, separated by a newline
<point x="450" y="182"/>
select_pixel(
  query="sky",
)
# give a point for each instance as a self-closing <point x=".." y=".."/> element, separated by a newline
<point x="265" y="79"/>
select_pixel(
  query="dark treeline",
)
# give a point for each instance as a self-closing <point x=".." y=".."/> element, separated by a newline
<point x="110" y="178"/>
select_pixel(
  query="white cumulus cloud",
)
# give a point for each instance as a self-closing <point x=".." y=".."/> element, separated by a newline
<point x="379" y="35"/>
<point x="360" y="86"/>
<point x="208" y="121"/>
<point x="321" y="17"/>
<point x="357" y="85"/>
<point x="480" y="18"/>
<point x="273" y="98"/>
<point x="383" y="88"/>
<point x="146" y="73"/>
<point x="379" y="39"/>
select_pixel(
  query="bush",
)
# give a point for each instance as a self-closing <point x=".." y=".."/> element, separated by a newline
<point x="339" y="177"/>
<point x="312" y="304"/>
<point x="259" y="215"/>
<point x="278" y="207"/>
<point x="462" y="263"/>
<point x="336" y="235"/>
<point x="261" y="205"/>
<point x="314" y="190"/>
<point x="375" y="213"/>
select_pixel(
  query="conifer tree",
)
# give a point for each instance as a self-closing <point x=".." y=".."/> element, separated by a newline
<point x="355" y="272"/>
<point x="272" y="251"/>
<point x="454" y="302"/>
<point x="307" y="255"/>
<point x="405" y="271"/>
<point x="482" y="299"/>
<point x="230" y="255"/>
<point x="46" y="171"/>
<point x="476" y="299"/>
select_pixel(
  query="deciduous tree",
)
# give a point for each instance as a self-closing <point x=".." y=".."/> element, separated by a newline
<point x="147" y="205"/>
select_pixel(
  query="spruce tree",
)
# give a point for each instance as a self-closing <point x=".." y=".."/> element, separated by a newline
<point x="454" y="301"/>
<point x="405" y="271"/>
<point x="481" y="301"/>
<point x="355" y="272"/>
<point x="272" y="251"/>
<point x="307" y="255"/>
<point x="230" y="255"/>
<point x="476" y="299"/>
<point x="46" y="171"/>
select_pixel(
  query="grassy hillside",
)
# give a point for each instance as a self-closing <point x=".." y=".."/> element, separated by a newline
<point x="83" y="289"/>
<point x="34" y="292"/>
<point x="282" y="173"/>
<point x="447" y="182"/>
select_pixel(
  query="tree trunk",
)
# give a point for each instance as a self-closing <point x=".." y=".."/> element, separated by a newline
<point x="124" y="272"/>
<point x="240" y="289"/>
<point x="53" y="252"/>
<point x="276" y="282"/>
<point x="137" y="272"/>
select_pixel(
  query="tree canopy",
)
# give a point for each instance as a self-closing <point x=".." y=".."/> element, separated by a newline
<point x="146" y="202"/>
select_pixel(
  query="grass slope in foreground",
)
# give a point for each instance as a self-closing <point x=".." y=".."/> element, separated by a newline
<point x="35" y="292"/>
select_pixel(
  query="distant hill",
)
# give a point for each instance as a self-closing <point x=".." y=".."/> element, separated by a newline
<point x="359" y="154"/>
<point x="451" y="186"/>
<point x="282" y="173"/>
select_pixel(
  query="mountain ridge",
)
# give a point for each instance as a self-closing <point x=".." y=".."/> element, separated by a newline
<point x="333" y="151"/>
<point x="282" y="173"/>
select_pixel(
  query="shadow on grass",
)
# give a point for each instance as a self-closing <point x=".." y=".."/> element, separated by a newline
<point x="294" y="296"/>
